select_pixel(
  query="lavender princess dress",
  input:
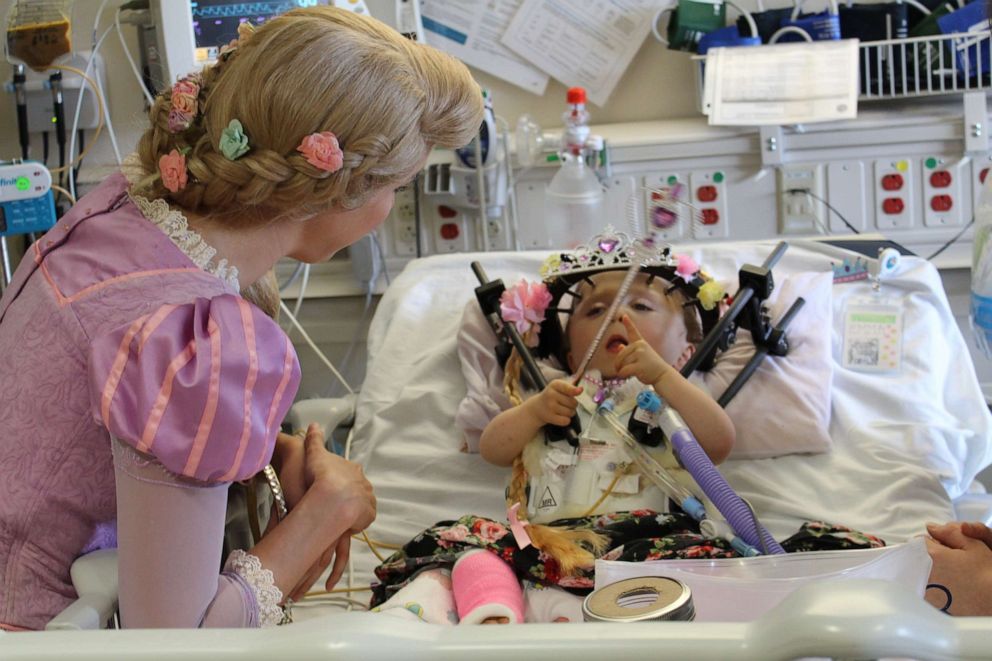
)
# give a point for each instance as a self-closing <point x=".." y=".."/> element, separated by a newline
<point x="135" y="386"/>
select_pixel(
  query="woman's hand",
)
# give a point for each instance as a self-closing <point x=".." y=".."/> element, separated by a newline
<point x="639" y="359"/>
<point x="962" y="562"/>
<point x="288" y="460"/>
<point x="556" y="404"/>
<point x="337" y="488"/>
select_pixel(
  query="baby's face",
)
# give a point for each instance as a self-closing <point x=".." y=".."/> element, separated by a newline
<point x="657" y="316"/>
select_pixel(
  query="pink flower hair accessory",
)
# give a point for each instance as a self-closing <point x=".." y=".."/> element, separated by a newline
<point x="184" y="104"/>
<point x="524" y="306"/>
<point x="687" y="268"/>
<point x="322" y="151"/>
<point x="172" y="168"/>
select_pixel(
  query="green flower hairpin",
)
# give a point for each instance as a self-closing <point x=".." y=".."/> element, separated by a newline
<point x="233" y="141"/>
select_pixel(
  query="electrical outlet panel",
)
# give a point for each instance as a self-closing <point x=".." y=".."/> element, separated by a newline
<point x="621" y="204"/>
<point x="403" y="223"/>
<point x="800" y="199"/>
<point x="981" y="167"/>
<point x="708" y="197"/>
<point x="666" y="213"/>
<point x="846" y="196"/>
<point x="531" y="197"/>
<point x="944" y="205"/>
<point x="449" y="230"/>
<point x="894" y="194"/>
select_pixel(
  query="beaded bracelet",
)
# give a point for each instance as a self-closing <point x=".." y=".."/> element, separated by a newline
<point x="277" y="495"/>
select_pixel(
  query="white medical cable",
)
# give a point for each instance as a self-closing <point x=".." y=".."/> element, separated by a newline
<point x="654" y="24"/>
<point x="346" y="360"/>
<point x="303" y="290"/>
<point x="59" y="189"/>
<point x="79" y="105"/>
<point x="313" y="345"/>
<point x="511" y="184"/>
<point x="918" y="6"/>
<point x="747" y="17"/>
<point x="480" y="182"/>
<point x="127" y="53"/>
<point x="382" y="258"/>
<point x="791" y="29"/>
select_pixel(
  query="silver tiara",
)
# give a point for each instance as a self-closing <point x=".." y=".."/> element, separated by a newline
<point x="607" y="251"/>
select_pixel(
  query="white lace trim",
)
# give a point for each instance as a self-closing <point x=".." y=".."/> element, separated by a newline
<point x="175" y="225"/>
<point x="262" y="583"/>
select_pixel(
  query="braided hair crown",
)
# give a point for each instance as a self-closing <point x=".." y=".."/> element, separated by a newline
<point x="387" y="100"/>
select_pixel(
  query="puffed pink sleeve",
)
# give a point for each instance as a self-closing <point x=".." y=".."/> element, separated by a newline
<point x="202" y="387"/>
<point x="193" y="396"/>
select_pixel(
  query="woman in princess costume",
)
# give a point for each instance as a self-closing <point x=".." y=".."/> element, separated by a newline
<point x="137" y="384"/>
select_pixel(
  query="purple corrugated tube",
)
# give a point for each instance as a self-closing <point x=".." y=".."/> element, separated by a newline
<point x="732" y="506"/>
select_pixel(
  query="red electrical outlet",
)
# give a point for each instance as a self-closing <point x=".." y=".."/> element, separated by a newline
<point x="706" y="193"/>
<point x="940" y="179"/>
<point x="893" y="205"/>
<point x="941" y="202"/>
<point x="891" y="182"/>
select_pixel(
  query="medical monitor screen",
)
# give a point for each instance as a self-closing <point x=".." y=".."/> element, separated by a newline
<point x="215" y="22"/>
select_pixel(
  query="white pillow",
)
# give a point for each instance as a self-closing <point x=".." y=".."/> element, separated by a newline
<point x="784" y="408"/>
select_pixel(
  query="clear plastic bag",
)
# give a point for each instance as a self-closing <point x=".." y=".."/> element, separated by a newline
<point x="742" y="589"/>
<point x="38" y="33"/>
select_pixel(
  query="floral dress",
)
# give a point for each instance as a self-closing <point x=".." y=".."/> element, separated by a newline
<point x="634" y="536"/>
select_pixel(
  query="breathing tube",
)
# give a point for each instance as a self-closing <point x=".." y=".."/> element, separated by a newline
<point x="695" y="460"/>
<point x="678" y="493"/>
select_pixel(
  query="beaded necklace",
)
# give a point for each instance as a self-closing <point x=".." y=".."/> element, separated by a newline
<point x="604" y="387"/>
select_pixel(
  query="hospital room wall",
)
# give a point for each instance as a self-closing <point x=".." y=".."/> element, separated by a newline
<point x="658" y="84"/>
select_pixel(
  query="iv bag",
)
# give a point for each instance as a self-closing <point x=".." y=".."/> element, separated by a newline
<point x="38" y="33"/>
<point x="574" y="204"/>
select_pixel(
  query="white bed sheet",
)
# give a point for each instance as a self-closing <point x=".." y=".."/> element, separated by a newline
<point x="905" y="445"/>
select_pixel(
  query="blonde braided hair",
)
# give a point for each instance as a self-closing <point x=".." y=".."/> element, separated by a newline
<point x="387" y="99"/>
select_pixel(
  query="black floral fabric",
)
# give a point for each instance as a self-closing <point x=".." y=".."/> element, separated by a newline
<point x="634" y="537"/>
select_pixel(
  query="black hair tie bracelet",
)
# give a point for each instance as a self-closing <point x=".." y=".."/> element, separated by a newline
<point x="947" y="593"/>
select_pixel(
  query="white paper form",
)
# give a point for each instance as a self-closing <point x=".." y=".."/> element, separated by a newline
<point x="782" y="83"/>
<point x="471" y="30"/>
<point x="582" y="42"/>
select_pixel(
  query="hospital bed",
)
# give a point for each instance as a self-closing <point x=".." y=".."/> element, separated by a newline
<point x="905" y="448"/>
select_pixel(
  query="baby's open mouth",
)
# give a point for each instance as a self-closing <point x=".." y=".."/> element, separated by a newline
<point x="616" y="343"/>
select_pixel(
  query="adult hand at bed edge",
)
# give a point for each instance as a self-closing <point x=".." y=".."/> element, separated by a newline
<point x="340" y="483"/>
<point x="962" y="563"/>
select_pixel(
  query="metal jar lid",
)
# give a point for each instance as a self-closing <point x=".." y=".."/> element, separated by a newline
<point x="651" y="598"/>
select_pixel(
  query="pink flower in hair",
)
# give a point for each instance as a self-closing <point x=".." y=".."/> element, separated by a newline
<point x="687" y="268"/>
<point x="524" y="305"/>
<point x="172" y="167"/>
<point x="322" y="151"/>
<point x="184" y="104"/>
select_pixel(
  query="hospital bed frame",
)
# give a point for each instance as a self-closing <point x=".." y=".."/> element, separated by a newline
<point x="849" y="619"/>
<point x="845" y="619"/>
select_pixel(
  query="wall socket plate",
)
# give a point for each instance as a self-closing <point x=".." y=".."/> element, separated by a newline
<point x="402" y="225"/>
<point x="799" y="212"/>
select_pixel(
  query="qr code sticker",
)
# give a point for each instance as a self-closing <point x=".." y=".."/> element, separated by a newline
<point x="863" y="353"/>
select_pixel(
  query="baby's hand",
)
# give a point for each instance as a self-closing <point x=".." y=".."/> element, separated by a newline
<point x="638" y="358"/>
<point x="556" y="404"/>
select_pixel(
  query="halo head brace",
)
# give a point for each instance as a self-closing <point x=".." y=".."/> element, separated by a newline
<point x="563" y="272"/>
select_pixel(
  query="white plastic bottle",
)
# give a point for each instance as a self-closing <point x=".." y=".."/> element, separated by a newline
<point x="574" y="209"/>
<point x="981" y="271"/>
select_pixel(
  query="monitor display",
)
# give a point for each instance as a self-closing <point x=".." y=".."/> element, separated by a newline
<point x="215" y="22"/>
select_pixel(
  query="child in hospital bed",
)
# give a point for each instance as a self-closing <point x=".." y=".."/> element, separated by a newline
<point x="568" y="506"/>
